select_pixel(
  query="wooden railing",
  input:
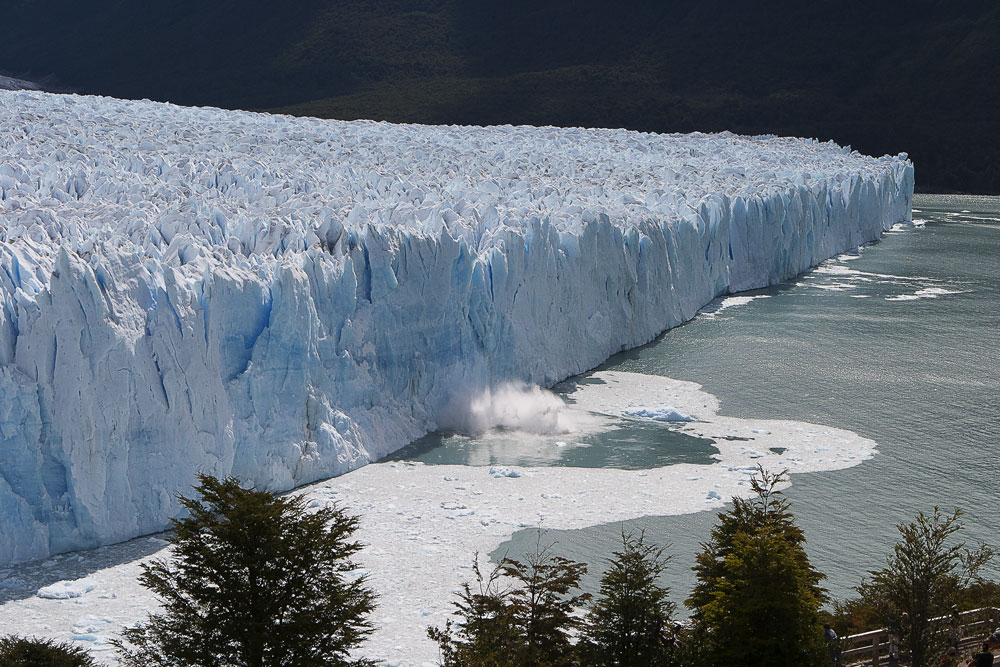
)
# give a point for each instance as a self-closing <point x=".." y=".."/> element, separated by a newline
<point x="872" y="648"/>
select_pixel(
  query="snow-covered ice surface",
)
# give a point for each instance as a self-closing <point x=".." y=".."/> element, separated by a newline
<point x="285" y="299"/>
<point x="423" y="523"/>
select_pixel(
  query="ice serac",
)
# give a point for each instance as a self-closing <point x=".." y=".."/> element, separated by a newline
<point x="286" y="299"/>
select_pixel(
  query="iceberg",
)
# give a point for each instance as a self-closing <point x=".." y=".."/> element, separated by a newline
<point x="665" y="413"/>
<point x="286" y="299"/>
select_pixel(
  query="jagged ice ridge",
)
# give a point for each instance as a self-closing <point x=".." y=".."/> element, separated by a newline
<point x="286" y="299"/>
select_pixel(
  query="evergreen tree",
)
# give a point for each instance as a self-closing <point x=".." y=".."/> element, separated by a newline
<point x="24" y="652"/>
<point x="757" y="598"/>
<point x="254" y="580"/>
<point x="486" y="634"/>
<point x="542" y="605"/>
<point x="528" y="624"/>
<point x="629" y="622"/>
<point x="927" y="572"/>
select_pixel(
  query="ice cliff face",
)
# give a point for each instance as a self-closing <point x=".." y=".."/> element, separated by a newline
<point x="286" y="299"/>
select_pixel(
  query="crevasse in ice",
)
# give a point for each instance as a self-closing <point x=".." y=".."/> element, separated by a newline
<point x="285" y="299"/>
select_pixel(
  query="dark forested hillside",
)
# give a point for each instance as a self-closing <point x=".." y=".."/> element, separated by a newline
<point x="919" y="76"/>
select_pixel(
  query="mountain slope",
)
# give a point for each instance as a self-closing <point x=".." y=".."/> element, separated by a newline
<point x="895" y="76"/>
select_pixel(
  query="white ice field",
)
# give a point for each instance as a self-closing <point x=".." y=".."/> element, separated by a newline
<point x="287" y="299"/>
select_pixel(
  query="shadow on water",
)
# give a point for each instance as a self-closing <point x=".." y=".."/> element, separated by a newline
<point x="23" y="581"/>
<point x="594" y="545"/>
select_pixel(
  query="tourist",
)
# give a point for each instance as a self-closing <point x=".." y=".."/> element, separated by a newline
<point x="895" y="632"/>
<point x="832" y="644"/>
<point x="982" y="659"/>
<point x="955" y="630"/>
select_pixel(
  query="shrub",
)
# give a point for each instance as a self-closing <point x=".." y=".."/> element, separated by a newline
<point x="31" y="652"/>
<point x="927" y="572"/>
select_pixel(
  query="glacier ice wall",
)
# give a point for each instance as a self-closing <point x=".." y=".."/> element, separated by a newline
<point x="286" y="299"/>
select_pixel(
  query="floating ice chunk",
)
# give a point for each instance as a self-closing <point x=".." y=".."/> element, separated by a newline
<point x="933" y="292"/>
<point x="92" y="624"/>
<point x="718" y="306"/>
<point x="924" y="293"/>
<point x="503" y="472"/>
<point x="65" y="590"/>
<point x="661" y="414"/>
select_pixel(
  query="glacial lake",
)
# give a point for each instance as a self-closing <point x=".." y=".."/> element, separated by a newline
<point x="898" y="343"/>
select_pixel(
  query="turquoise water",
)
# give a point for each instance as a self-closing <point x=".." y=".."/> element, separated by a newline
<point x="899" y="344"/>
<point x="630" y="444"/>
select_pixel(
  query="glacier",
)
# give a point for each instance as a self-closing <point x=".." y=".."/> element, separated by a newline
<point x="286" y="299"/>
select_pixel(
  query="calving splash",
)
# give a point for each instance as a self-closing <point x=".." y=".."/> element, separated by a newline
<point x="285" y="299"/>
<point x="522" y="425"/>
<point x="514" y="406"/>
